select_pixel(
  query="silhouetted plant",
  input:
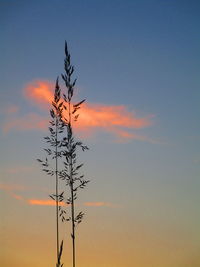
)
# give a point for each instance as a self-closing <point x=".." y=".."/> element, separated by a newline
<point x="70" y="174"/>
<point x="64" y="145"/>
<point x="53" y="153"/>
<point x="59" y="264"/>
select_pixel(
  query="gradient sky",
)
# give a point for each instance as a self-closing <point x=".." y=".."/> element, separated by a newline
<point x="137" y="64"/>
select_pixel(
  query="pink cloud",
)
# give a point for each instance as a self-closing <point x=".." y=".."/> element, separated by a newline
<point x="108" y="116"/>
<point x="40" y="92"/>
<point x="114" y="119"/>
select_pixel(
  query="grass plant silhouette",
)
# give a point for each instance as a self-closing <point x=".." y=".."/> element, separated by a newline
<point x="63" y="147"/>
<point x="53" y="153"/>
<point x="70" y="173"/>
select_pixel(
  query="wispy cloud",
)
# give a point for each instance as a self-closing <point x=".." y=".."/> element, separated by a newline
<point x="31" y="121"/>
<point x="117" y="120"/>
<point x="49" y="202"/>
<point x="10" y="109"/>
<point x="18" y="197"/>
<point x="39" y="92"/>
<point x="44" y="202"/>
<point x="11" y="189"/>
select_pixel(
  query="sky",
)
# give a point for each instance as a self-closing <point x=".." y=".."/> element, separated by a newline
<point x="137" y="66"/>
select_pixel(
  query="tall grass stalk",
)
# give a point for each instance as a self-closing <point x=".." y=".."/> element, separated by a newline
<point x="53" y="153"/>
<point x="64" y="145"/>
<point x="70" y="174"/>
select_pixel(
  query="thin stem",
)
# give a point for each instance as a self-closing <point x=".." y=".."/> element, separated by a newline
<point x="73" y="230"/>
<point x="72" y="195"/>
<point x="57" y="223"/>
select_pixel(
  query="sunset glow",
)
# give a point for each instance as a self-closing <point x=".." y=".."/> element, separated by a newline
<point x="93" y="117"/>
<point x="136" y="65"/>
<point x="40" y="91"/>
<point x="44" y="202"/>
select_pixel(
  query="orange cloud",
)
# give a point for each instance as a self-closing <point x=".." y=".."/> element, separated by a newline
<point x="44" y="202"/>
<point x="10" y="188"/>
<point x="115" y="119"/>
<point x="96" y="115"/>
<point x="124" y="136"/>
<point x="47" y="202"/>
<point x="40" y="92"/>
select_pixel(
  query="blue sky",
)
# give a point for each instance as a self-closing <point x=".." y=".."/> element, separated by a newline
<point x="143" y="55"/>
